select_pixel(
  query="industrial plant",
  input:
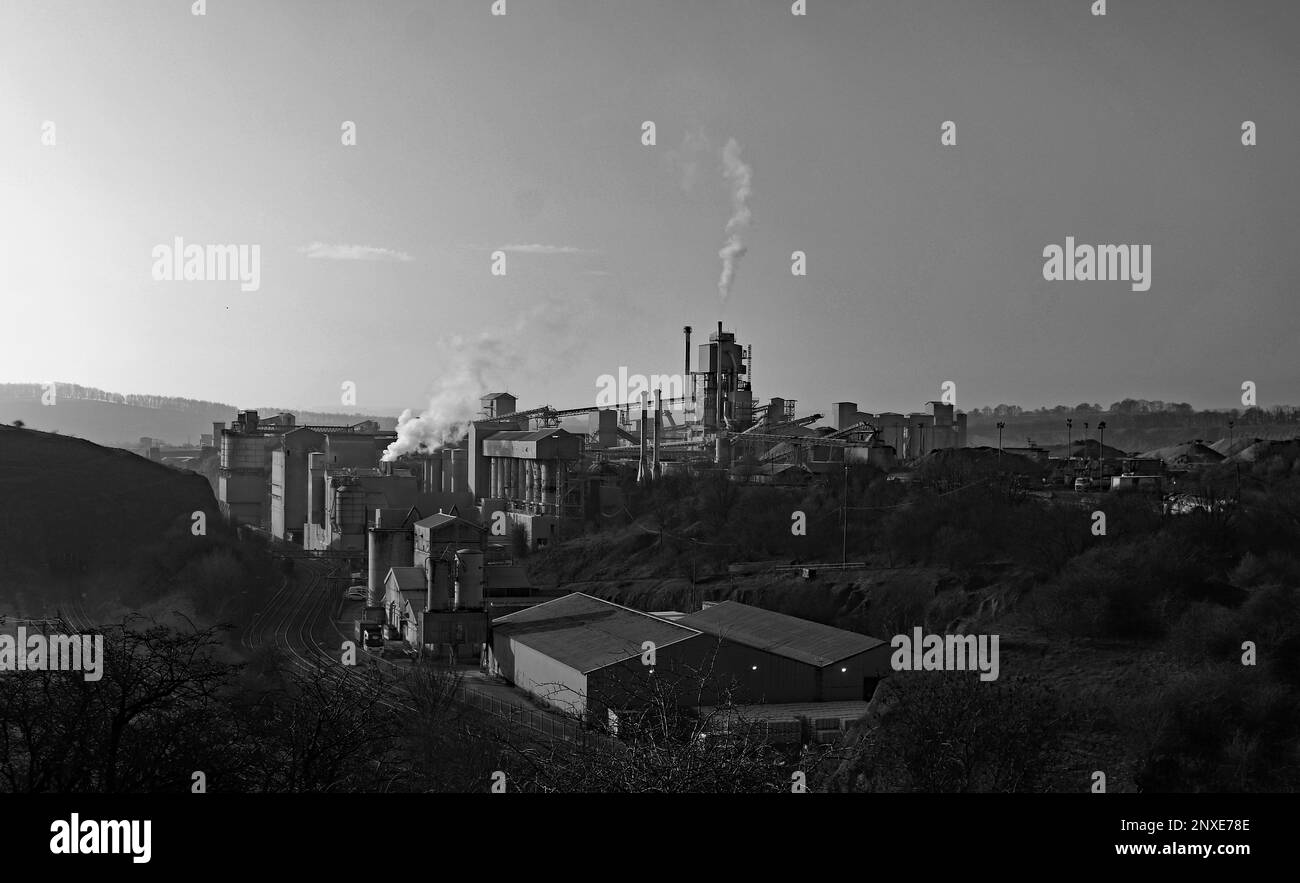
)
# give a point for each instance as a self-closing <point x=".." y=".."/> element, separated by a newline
<point x="435" y="529"/>
<point x="544" y="470"/>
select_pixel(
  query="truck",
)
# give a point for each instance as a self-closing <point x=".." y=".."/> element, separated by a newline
<point x="369" y="635"/>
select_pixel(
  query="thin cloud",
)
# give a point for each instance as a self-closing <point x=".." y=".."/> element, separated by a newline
<point x="534" y="248"/>
<point x="326" y="251"/>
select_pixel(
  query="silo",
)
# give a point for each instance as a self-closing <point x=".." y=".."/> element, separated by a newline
<point x="459" y="471"/>
<point x="432" y="472"/>
<point x="448" y="476"/>
<point x="469" y="579"/>
<point x="350" y="507"/>
<point x="844" y="413"/>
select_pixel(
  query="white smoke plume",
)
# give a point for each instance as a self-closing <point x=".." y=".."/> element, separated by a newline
<point x="740" y="176"/>
<point x="455" y="401"/>
<point x="540" y="337"/>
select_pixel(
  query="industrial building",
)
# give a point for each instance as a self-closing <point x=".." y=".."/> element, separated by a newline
<point x="585" y="655"/>
<point x="340" y="500"/>
<point x="771" y="657"/>
<point x="247" y="464"/>
<point x="530" y="474"/>
<point x="912" y="435"/>
<point x="430" y="577"/>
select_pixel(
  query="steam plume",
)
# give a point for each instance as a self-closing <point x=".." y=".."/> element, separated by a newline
<point x="455" y="401"/>
<point x="740" y="176"/>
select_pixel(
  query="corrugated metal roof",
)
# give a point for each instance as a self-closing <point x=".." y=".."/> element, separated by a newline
<point x="409" y="579"/>
<point x="442" y="519"/>
<point x="521" y="435"/>
<point x="798" y="639"/>
<point x="586" y="633"/>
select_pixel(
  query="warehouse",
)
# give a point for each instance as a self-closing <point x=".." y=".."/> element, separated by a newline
<point x="586" y="656"/>
<point x="771" y="657"/>
<point x="583" y="655"/>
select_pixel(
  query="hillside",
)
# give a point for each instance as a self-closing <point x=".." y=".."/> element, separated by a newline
<point x="66" y="502"/>
<point x="101" y="524"/>
<point x="115" y="419"/>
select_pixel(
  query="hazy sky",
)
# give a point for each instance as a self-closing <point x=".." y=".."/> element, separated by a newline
<point x="474" y="132"/>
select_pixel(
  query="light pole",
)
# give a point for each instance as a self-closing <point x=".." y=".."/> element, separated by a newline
<point x="1000" y="427"/>
<point x="1069" y="448"/>
<point x="844" y="512"/>
<point x="1230" y="425"/>
<point x="1101" y="443"/>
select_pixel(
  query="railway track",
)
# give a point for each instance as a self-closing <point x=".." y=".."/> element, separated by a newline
<point x="291" y="620"/>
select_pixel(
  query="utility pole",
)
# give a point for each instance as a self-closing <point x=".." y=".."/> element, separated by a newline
<point x="844" y="512"/>
<point x="1101" y="444"/>
<point x="1000" y="427"/>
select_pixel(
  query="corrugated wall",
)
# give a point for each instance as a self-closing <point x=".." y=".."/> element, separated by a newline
<point x="541" y="675"/>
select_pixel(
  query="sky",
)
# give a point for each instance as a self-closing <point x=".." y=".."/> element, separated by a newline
<point x="523" y="133"/>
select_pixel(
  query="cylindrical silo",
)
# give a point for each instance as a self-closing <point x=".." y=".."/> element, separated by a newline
<point x="469" y="579"/>
<point x="350" y="508"/>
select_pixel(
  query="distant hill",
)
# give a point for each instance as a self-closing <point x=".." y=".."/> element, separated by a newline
<point x="69" y="507"/>
<point x="118" y="419"/>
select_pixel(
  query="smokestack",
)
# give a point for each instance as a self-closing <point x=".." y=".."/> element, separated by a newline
<point x="642" y="475"/>
<point x="686" y="377"/>
<point x="655" y="469"/>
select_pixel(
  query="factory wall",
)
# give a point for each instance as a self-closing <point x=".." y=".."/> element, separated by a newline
<point x="241" y="497"/>
<point x="756" y="676"/>
<point x="387" y="549"/>
<point x="855" y="677"/>
<point x="243" y="486"/>
<point x="549" y="680"/>
<point x="753" y="675"/>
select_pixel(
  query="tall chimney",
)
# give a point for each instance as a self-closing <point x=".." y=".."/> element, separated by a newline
<point x="655" y="469"/>
<point x="641" y="473"/>
<point x="686" y="377"/>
